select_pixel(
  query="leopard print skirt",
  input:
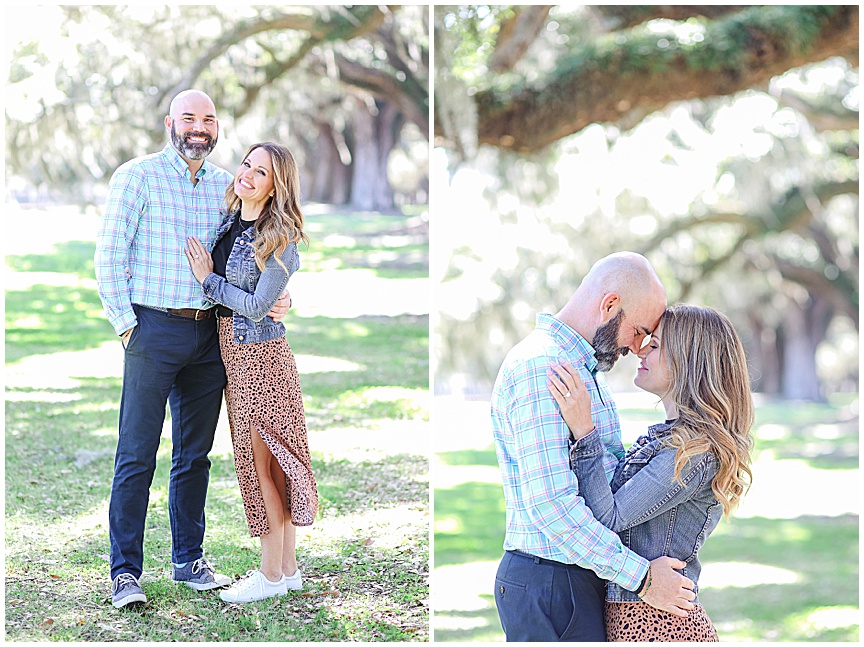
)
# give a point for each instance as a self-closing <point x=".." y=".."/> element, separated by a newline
<point x="263" y="392"/>
<point x="640" y="622"/>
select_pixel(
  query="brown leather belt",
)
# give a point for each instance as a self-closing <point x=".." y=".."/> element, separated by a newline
<point x="191" y="313"/>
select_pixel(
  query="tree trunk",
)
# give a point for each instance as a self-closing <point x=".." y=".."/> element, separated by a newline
<point x="803" y="328"/>
<point x="330" y="178"/>
<point x="762" y="357"/>
<point x="375" y="131"/>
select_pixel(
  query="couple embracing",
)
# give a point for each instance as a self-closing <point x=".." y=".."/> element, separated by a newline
<point x="192" y="265"/>
<point x="602" y="544"/>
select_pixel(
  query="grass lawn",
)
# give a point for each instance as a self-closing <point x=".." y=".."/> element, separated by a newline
<point x="359" y="330"/>
<point x="785" y="568"/>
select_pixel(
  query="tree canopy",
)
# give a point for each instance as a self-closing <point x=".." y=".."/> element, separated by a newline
<point x="721" y="142"/>
<point x="314" y="75"/>
<point x="634" y="60"/>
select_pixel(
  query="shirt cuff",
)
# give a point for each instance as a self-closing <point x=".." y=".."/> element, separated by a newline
<point x="587" y="445"/>
<point x="124" y="322"/>
<point x="633" y="571"/>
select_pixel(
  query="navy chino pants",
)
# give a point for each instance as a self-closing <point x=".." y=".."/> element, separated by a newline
<point x="540" y="600"/>
<point x="176" y="360"/>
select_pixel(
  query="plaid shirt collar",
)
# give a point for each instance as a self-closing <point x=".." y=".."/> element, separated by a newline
<point x="174" y="159"/>
<point x="574" y="345"/>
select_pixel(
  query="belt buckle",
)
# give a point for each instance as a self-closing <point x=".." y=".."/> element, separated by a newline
<point x="196" y="315"/>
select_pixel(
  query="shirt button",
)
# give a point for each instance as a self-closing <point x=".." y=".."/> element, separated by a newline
<point x="240" y="337"/>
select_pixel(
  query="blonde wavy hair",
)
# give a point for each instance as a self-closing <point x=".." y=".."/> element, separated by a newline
<point x="281" y="220"/>
<point x="710" y="384"/>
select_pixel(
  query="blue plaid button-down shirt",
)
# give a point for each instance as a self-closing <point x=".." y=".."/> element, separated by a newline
<point x="546" y="517"/>
<point x="151" y="208"/>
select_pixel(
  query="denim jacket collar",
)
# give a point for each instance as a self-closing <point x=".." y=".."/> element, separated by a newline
<point x="659" y="431"/>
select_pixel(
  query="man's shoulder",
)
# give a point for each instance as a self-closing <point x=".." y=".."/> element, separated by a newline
<point x="218" y="172"/>
<point x="142" y="165"/>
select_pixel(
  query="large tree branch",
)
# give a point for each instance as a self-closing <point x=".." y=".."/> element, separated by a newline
<point x="516" y="36"/>
<point x="385" y="86"/>
<point x="339" y="24"/>
<point x="626" y="16"/>
<point x="710" y="265"/>
<point x="645" y="69"/>
<point x="789" y="214"/>
<point x="839" y="118"/>
<point x="840" y="292"/>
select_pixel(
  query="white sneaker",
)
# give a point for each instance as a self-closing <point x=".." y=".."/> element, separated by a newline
<point x="295" y="582"/>
<point x="254" y="586"/>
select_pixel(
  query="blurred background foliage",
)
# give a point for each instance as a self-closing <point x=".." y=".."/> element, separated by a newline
<point x="346" y="87"/>
<point x="720" y="141"/>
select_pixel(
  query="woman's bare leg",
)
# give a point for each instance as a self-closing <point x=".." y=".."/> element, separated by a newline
<point x="289" y="531"/>
<point x="274" y="507"/>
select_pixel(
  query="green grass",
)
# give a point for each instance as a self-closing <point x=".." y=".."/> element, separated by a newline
<point x="778" y="579"/>
<point x="365" y="560"/>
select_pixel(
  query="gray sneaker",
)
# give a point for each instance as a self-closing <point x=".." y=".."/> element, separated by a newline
<point x="126" y="590"/>
<point x="200" y="576"/>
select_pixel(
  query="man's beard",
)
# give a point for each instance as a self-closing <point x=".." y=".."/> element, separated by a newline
<point x="191" y="150"/>
<point x="605" y="343"/>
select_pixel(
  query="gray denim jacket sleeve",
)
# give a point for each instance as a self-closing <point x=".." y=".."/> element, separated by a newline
<point x="650" y="492"/>
<point x="268" y="289"/>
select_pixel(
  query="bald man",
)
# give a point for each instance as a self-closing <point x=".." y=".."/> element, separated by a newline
<point x="551" y="582"/>
<point x="168" y="332"/>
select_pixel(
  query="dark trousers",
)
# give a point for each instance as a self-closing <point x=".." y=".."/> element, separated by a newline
<point x="176" y="360"/>
<point x="540" y="600"/>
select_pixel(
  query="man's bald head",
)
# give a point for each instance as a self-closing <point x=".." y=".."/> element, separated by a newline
<point x="183" y="100"/>
<point x="616" y="306"/>
<point x="628" y="274"/>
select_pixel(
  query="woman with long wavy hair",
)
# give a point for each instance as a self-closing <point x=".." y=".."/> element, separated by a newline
<point x="254" y="256"/>
<point x="671" y="486"/>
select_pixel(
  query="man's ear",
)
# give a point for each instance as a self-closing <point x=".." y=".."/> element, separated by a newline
<point x="610" y="304"/>
<point x="168" y="123"/>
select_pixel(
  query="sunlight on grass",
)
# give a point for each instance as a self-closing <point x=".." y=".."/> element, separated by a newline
<point x="391" y="437"/>
<point x="448" y="525"/>
<point x="460" y="586"/>
<point x="357" y="292"/>
<point x="93" y="521"/>
<point x="834" y="618"/>
<point x="721" y="575"/>
<point x="58" y="370"/>
<point x="784" y="489"/>
<point x="42" y="396"/>
<point x="773" y="432"/>
<point x="307" y="364"/>
<point x="337" y="240"/>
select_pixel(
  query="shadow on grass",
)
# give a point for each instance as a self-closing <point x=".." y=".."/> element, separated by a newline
<point x="469" y="523"/>
<point x="348" y="487"/>
<point x="50" y="319"/>
<point x="482" y="625"/>
<point x="71" y="257"/>
<point x="821" y="552"/>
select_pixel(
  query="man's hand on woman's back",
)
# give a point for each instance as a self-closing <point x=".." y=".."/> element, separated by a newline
<point x="667" y="589"/>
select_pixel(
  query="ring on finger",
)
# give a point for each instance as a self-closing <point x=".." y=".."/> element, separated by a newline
<point x="567" y="395"/>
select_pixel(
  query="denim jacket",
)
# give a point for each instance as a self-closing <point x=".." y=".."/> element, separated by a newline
<point x="654" y="514"/>
<point x="246" y="290"/>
